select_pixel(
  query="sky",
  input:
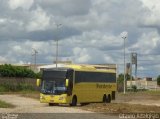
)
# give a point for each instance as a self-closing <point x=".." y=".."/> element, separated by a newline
<point x="90" y="32"/>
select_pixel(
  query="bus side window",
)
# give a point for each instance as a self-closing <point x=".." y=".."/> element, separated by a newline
<point x="70" y="77"/>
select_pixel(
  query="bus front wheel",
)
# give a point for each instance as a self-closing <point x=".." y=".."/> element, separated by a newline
<point x="74" y="101"/>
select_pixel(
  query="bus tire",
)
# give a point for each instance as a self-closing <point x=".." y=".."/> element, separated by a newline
<point x="53" y="104"/>
<point x="108" y="99"/>
<point x="83" y="104"/>
<point x="104" y="98"/>
<point x="74" y="101"/>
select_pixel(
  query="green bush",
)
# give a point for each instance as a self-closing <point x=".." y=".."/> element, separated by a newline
<point x="158" y="80"/>
<point x="38" y="75"/>
<point x="121" y="78"/>
<point x="134" y="87"/>
<point x="120" y="82"/>
<point x="8" y="70"/>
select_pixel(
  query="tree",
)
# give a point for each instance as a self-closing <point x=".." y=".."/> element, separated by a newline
<point x="120" y="81"/>
<point x="121" y="78"/>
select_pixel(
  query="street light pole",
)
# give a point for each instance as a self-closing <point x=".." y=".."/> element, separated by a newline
<point x="58" y="25"/>
<point x="124" y="67"/>
<point x="124" y="36"/>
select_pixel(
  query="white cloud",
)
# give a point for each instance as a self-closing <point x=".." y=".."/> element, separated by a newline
<point x="81" y="55"/>
<point x="153" y="5"/>
<point x="22" y="62"/>
<point x="83" y="58"/>
<point x="109" y="60"/>
<point x="90" y="32"/>
<point x="22" y="52"/>
<point x="38" y="21"/>
<point x="3" y="60"/>
<point x="147" y="42"/>
<point x="20" y="49"/>
<point x="42" y="47"/>
<point x="154" y="16"/>
<point x="3" y="20"/>
<point x="17" y="48"/>
<point x="25" y="4"/>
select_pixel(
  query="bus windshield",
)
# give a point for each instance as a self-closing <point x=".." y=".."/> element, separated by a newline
<point x="53" y="82"/>
<point x="52" y="87"/>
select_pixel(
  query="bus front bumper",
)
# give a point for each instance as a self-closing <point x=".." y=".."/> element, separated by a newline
<point x="53" y="98"/>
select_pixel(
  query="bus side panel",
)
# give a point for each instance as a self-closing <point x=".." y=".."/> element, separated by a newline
<point x="93" y="92"/>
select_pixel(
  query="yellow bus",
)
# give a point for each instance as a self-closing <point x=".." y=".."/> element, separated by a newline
<point x="77" y="84"/>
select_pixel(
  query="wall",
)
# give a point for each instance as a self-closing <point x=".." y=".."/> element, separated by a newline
<point x="143" y="84"/>
<point x="16" y="81"/>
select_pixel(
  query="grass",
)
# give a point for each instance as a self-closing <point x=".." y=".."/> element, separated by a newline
<point x="3" y="104"/>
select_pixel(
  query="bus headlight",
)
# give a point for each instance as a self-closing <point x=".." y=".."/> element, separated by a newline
<point x="42" y="97"/>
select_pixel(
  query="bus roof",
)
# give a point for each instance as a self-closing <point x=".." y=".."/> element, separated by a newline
<point x="82" y="67"/>
<point x="89" y="68"/>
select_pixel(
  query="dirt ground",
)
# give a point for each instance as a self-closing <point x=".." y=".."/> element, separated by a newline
<point x="30" y="108"/>
<point x="131" y="102"/>
<point x="30" y="105"/>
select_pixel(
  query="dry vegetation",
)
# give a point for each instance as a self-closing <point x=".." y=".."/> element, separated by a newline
<point x="120" y="105"/>
<point x="120" y="108"/>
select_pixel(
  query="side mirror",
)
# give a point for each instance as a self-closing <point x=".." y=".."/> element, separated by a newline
<point x="38" y="82"/>
<point x="67" y="82"/>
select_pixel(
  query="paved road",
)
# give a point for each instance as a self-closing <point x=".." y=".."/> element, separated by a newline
<point x="28" y="108"/>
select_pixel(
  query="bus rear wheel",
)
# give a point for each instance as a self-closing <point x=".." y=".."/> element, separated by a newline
<point x="108" y="99"/>
<point x="74" y="101"/>
<point x="83" y="104"/>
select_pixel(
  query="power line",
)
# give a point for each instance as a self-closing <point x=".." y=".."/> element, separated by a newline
<point x="140" y="54"/>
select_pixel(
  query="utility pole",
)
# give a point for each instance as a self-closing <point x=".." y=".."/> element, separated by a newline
<point x="35" y="57"/>
<point x="124" y="67"/>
